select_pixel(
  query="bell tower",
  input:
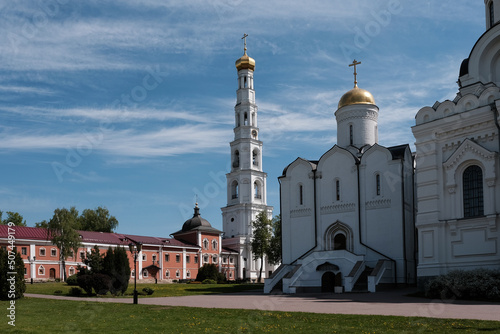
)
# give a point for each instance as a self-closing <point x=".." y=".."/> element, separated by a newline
<point x="246" y="183"/>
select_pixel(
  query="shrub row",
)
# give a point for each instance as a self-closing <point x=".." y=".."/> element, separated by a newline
<point x="460" y="284"/>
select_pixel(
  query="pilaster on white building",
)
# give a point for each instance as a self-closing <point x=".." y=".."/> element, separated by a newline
<point x="246" y="182"/>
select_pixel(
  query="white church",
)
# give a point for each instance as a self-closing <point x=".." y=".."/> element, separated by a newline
<point x="364" y="215"/>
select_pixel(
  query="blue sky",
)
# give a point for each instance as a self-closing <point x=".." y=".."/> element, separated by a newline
<point x="130" y="104"/>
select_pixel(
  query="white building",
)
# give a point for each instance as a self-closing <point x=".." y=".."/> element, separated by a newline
<point x="246" y="183"/>
<point x="457" y="165"/>
<point x="347" y="219"/>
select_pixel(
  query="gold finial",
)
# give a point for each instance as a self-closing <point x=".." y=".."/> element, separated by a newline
<point x="355" y="63"/>
<point x="245" y="39"/>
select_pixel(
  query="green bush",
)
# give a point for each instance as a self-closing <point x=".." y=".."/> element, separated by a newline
<point x="209" y="281"/>
<point x="101" y="283"/>
<point x="12" y="286"/>
<point x="148" y="291"/>
<point x="85" y="282"/>
<point x="460" y="284"/>
<point x="72" y="280"/>
<point x="58" y="292"/>
<point x="76" y="292"/>
<point x="210" y="271"/>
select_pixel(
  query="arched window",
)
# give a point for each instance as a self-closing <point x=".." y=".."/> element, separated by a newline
<point x="236" y="162"/>
<point x="301" y="195"/>
<point x="205" y="258"/>
<point x="215" y="245"/>
<point x="167" y="273"/>
<point x="188" y="274"/>
<point x="473" y="191"/>
<point x="71" y="271"/>
<point x="255" y="157"/>
<point x="245" y="119"/>
<point x="234" y="189"/>
<point x="337" y="190"/>
<point x="492" y="14"/>
<point x="132" y="273"/>
<point x="377" y="184"/>
<point x="41" y="271"/>
<point x="338" y="237"/>
<point x="214" y="258"/>
<point x="205" y="243"/>
<point x="237" y="119"/>
<point x="177" y="273"/>
<point x="256" y="190"/>
<point x="144" y="273"/>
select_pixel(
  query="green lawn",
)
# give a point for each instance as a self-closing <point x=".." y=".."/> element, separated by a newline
<point x="161" y="290"/>
<point x="54" y="316"/>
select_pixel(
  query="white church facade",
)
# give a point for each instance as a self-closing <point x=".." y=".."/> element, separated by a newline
<point x="363" y="214"/>
<point x="457" y="166"/>
<point x="246" y="182"/>
<point x="347" y="219"/>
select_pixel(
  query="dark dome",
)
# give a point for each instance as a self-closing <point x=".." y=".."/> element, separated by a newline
<point x="196" y="221"/>
<point x="464" y="67"/>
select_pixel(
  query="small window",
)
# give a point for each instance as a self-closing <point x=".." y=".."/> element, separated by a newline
<point x="144" y="273"/>
<point x="196" y="259"/>
<point x="215" y="245"/>
<point x="153" y="257"/>
<point x="132" y="273"/>
<point x="188" y="274"/>
<point x="351" y="135"/>
<point x="24" y="251"/>
<point x="205" y="258"/>
<point x="377" y="184"/>
<point x="53" y="252"/>
<point x="167" y="273"/>
<point x="224" y="260"/>
<point x="214" y="258"/>
<point x="167" y="257"/>
<point x="41" y="251"/>
<point x="231" y="260"/>
<point x="230" y="274"/>
<point x="82" y="255"/>
<point x="188" y="258"/>
<point x="144" y="257"/>
<point x="177" y="258"/>
<point x="71" y="271"/>
<point x="41" y="271"/>
<point x="301" y="195"/>
<point x="256" y="190"/>
<point x="337" y="190"/>
<point x="177" y="273"/>
<point x="25" y="271"/>
<point x="205" y="243"/>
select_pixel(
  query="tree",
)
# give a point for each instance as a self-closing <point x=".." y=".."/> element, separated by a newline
<point x="63" y="233"/>
<point x="274" y="251"/>
<point x="261" y="238"/>
<point x="12" y="286"/>
<point x="13" y="217"/>
<point x="97" y="220"/>
<point x="42" y="224"/>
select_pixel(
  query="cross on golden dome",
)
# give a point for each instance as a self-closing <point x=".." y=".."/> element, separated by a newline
<point x="245" y="39"/>
<point x="354" y="63"/>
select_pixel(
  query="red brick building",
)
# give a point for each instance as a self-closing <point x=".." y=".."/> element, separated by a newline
<point x="162" y="259"/>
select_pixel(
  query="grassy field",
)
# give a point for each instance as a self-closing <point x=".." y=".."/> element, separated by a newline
<point x="55" y="316"/>
<point x="161" y="290"/>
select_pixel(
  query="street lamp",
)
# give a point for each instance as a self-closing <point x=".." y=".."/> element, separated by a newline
<point x="135" y="248"/>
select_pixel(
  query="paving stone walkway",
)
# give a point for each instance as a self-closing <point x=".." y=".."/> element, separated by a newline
<point x="395" y="302"/>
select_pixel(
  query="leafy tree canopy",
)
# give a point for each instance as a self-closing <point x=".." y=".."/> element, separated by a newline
<point x="98" y="220"/>
<point x="13" y="217"/>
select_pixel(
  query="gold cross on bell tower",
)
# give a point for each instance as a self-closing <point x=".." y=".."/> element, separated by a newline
<point x="245" y="39"/>
<point x="355" y="63"/>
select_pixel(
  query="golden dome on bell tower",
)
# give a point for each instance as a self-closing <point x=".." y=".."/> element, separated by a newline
<point x="245" y="62"/>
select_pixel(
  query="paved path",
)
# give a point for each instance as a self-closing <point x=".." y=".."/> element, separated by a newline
<point x="380" y="303"/>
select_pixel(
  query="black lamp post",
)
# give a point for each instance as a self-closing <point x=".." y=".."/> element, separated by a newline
<point x="135" y="248"/>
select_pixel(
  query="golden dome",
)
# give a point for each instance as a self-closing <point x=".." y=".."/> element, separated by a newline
<point x="245" y="62"/>
<point x="356" y="96"/>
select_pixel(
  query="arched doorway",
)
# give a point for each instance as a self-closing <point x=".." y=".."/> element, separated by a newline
<point x="328" y="282"/>
<point x="339" y="242"/>
<point x="52" y="273"/>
